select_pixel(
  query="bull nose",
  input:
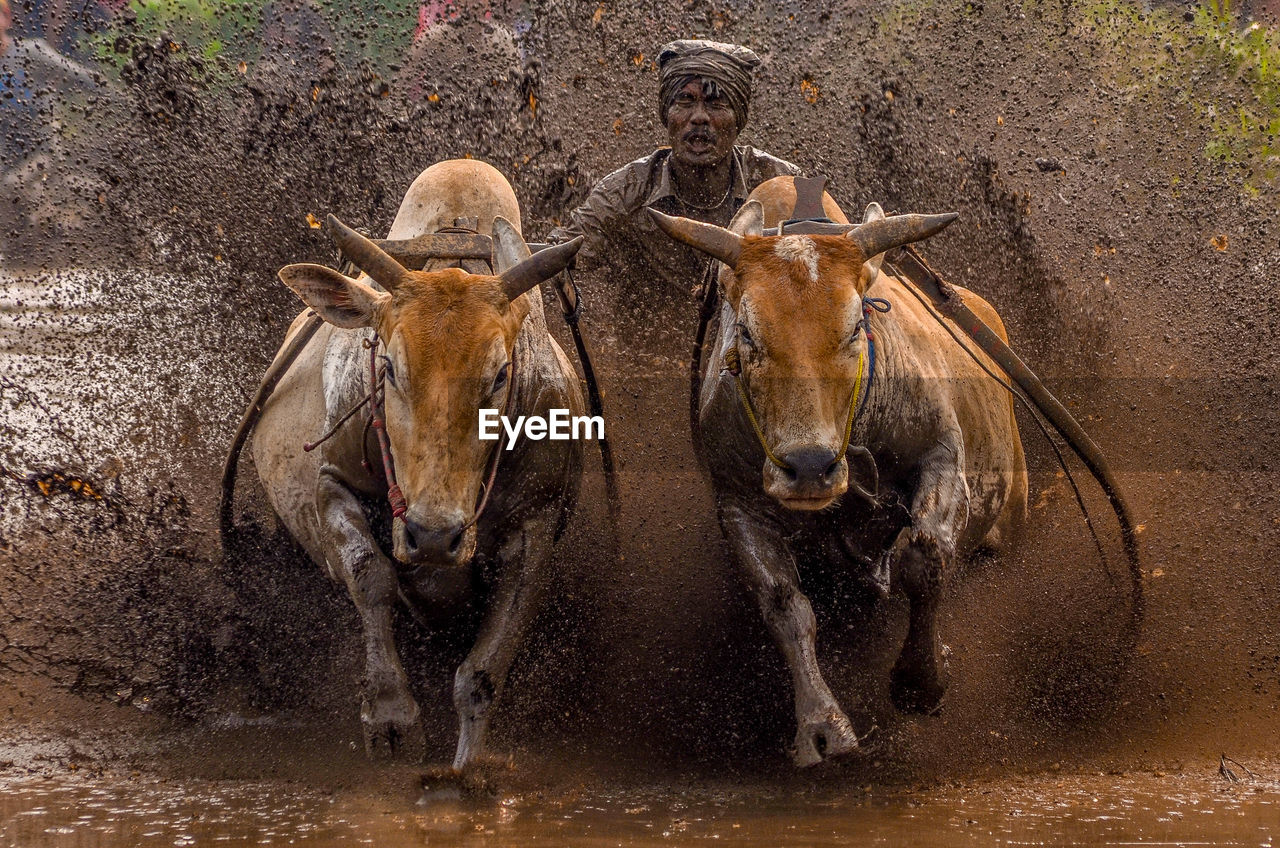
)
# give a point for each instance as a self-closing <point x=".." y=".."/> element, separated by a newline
<point x="436" y="544"/>
<point x="811" y="466"/>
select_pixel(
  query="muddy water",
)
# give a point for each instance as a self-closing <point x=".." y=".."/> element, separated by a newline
<point x="1136" y="809"/>
<point x="1138" y="280"/>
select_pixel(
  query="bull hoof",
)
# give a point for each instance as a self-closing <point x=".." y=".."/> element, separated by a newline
<point x="392" y="729"/>
<point x="392" y="741"/>
<point x="478" y="781"/>
<point x="822" y="738"/>
<point x="918" y="690"/>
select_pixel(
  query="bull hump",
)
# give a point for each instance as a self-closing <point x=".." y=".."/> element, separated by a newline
<point x="801" y="249"/>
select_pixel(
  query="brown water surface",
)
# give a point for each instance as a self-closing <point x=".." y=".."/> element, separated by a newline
<point x="1199" y="808"/>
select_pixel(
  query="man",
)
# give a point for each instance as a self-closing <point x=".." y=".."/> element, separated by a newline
<point x="641" y="298"/>
<point x="704" y="94"/>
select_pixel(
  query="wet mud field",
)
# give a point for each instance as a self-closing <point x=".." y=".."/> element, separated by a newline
<point x="153" y="692"/>
<point x="1121" y="810"/>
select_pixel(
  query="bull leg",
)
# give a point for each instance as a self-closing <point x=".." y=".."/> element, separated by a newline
<point x="520" y="586"/>
<point x="388" y="712"/>
<point x="921" y="554"/>
<point x="822" y="728"/>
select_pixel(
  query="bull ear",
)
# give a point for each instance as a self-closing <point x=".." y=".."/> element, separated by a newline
<point x="509" y="249"/>
<point x="749" y="220"/>
<point x="871" y="267"/>
<point x="887" y="233"/>
<point x="714" y="241"/>
<point x="370" y="258"/>
<point x="543" y="265"/>
<point x="340" y="300"/>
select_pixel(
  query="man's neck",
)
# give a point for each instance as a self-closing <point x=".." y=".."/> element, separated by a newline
<point x="707" y="187"/>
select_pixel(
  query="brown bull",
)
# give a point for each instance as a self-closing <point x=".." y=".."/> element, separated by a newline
<point x="792" y="396"/>
<point x="452" y="343"/>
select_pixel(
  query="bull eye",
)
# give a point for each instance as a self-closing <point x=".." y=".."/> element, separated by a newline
<point x="745" y="336"/>
<point x="388" y="370"/>
<point x="501" y="380"/>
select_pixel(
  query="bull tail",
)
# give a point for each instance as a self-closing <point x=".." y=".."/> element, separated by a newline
<point x="226" y="501"/>
<point x="915" y="270"/>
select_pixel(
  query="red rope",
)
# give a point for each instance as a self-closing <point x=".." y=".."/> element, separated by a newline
<point x="396" y="497"/>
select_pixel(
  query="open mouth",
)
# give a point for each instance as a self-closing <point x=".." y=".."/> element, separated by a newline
<point x="699" y="142"/>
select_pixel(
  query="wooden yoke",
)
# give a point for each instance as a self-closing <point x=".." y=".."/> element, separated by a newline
<point x="415" y="252"/>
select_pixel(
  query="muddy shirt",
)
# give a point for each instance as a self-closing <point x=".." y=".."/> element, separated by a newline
<point x="621" y="236"/>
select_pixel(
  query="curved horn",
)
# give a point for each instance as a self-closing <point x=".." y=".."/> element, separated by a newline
<point x="887" y="233"/>
<point x="543" y="265"/>
<point x="370" y="258"/>
<point x="723" y="244"/>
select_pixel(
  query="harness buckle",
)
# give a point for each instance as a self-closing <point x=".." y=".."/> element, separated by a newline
<point x="732" y="361"/>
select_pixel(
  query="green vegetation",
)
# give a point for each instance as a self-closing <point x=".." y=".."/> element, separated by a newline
<point x="228" y="32"/>
<point x="208" y="28"/>
<point x="1204" y="59"/>
<point x="1227" y="73"/>
<point x="1252" y="54"/>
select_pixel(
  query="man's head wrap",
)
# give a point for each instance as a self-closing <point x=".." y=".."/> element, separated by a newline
<point x="728" y="65"/>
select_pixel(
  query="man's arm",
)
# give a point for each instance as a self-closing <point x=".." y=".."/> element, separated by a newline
<point x="603" y="217"/>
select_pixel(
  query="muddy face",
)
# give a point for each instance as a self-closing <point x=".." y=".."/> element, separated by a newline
<point x="803" y="352"/>
<point x="798" y="301"/>
<point x="449" y="338"/>
<point x="449" y="341"/>
<point x="701" y="125"/>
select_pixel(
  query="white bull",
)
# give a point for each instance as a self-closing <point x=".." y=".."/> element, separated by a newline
<point x="452" y="343"/>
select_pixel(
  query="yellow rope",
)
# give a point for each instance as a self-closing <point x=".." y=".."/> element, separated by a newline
<point x="755" y="424"/>
<point x="853" y="405"/>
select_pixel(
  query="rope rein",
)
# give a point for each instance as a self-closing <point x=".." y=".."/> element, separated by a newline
<point x="394" y="496"/>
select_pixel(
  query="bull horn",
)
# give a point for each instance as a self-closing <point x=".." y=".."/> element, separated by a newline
<point x="543" y="265"/>
<point x="718" y="242"/>
<point x="876" y="237"/>
<point x="368" y="257"/>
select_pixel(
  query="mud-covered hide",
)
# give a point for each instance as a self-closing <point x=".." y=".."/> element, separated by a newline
<point x="451" y="343"/>
<point x="930" y="467"/>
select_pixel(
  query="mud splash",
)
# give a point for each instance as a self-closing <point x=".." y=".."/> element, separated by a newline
<point x="155" y="201"/>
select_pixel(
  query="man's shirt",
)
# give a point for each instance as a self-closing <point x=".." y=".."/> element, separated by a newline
<point x="620" y="235"/>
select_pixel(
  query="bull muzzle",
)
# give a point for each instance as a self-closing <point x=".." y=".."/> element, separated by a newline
<point x="811" y="477"/>
<point x="446" y="542"/>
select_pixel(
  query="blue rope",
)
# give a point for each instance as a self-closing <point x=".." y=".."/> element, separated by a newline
<point x="879" y="304"/>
